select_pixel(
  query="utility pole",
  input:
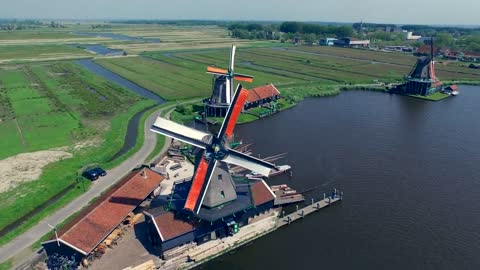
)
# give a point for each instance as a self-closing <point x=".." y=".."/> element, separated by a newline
<point x="55" y="230"/>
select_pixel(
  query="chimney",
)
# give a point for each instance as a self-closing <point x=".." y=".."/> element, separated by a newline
<point x="143" y="174"/>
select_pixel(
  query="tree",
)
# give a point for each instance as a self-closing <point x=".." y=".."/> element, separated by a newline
<point x="310" y="38"/>
<point x="443" y="39"/>
<point x="344" y="31"/>
<point x="291" y="27"/>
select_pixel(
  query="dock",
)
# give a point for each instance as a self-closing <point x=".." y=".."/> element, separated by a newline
<point x="312" y="208"/>
<point x="286" y="195"/>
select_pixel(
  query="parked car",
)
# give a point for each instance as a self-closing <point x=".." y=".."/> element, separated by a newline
<point x="100" y="171"/>
<point x="94" y="174"/>
<point x="91" y="174"/>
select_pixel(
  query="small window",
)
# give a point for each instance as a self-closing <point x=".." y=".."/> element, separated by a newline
<point x="220" y="177"/>
<point x="222" y="194"/>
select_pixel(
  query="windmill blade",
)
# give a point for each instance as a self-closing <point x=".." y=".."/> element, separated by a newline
<point x="200" y="183"/>
<point x="233" y="112"/>
<point x="249" y="162"/>
<point x="216" y="71"/>
<point x="232" y="58"/>
<point x="181" y="133"/>
<point x="243" y="78"/>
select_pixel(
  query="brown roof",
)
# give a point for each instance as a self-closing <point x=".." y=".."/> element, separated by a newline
<point x="95" y="225"/>
<point x="170" y="227"/>
<point x="425" y="49"/>
<point x="262" y="92"/>
<point x="261" y="193"/>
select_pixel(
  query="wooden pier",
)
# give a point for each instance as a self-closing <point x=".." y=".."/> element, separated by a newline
<point x="312" y="208"/>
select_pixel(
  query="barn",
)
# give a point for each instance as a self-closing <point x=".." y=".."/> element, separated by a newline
<point x="81" y="236"/>
<point x="261" y="95"/>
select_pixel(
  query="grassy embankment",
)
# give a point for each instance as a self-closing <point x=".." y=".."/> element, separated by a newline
<point x="75" y="107"/>
<point x="6" y="265"/>
<point x="433" y="97"/>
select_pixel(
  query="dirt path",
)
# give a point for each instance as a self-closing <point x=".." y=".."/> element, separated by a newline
<point x="22" y="138"/>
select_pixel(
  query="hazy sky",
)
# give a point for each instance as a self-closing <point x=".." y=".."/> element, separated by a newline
<point x="390" y="11"/>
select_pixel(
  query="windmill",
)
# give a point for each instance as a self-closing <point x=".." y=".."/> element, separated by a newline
<point x="222" y="92"/>
<point x="212" y="184"/>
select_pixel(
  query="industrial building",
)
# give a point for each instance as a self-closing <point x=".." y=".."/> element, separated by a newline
<point x="327" y="41"/>
<point x="351" y="42"/>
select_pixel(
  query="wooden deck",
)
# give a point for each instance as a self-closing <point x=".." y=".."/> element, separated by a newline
<point x="312" y="208"/>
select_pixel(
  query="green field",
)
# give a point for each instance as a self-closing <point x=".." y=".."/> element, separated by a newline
<point x="53" y="105"/>
<point x="31" y="53"/>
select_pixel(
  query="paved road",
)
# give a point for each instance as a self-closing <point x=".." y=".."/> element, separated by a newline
<point x="19" y="248"/>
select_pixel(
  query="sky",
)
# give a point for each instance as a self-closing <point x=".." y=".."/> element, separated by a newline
<point x="459" y="12"/>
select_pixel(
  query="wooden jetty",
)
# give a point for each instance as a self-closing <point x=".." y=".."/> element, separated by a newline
<point x="286" y="195"/>
<point x="312" y="208"/>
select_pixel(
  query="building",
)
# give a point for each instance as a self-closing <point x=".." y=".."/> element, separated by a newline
<point x="327" y="41"/>
<point x="79" y="238"/>
<point x="167" y="231"/>
<point x="427" y="50"/>
<point x="410" y="36"/>
<point x="174" y="227"/>
<point x="398" y="49"/>
<point x="222" y="88"/>
<point x="351" y="42"/>
<point x="261" y="95"/>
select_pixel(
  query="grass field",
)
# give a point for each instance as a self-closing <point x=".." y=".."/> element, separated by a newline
<point x="31" y="53"/>
<point x="59" y="104"/>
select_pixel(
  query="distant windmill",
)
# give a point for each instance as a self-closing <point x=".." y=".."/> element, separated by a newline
<point x="222" y="92"/>
<point x="215" y="155"/>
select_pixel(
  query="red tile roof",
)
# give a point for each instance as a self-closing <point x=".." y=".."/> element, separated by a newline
<point x="476" y="54"/>
<point x="261" y="193"/>
<point x="425" y="49"/>
<point x="96" y="224"/>
<point x="170" y="227"/>
<point x="262" y="92"/>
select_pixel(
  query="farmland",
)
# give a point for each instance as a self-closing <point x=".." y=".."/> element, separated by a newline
<point x="58" y="105"/>
<point x="61" y="107"/>
<point x="175" y="75"/>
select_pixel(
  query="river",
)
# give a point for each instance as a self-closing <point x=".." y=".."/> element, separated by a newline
<point x="409" y="169"/>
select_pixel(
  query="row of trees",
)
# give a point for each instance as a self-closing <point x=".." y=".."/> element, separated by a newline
<point x="288" y="30"/>
<point x="317" y="29"/>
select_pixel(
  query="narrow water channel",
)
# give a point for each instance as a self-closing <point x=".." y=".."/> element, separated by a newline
<point x="132" y="129"/>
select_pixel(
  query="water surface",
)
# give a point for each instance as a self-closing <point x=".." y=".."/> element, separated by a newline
<point x="410" y="170"/>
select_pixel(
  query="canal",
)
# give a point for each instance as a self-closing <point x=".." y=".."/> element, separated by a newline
<point x="410" y="172"/>
<point x="132" y="129"/>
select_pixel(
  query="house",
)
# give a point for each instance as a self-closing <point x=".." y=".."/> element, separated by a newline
<point x="261" y="95"/>
<point x="470" y="56"/>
